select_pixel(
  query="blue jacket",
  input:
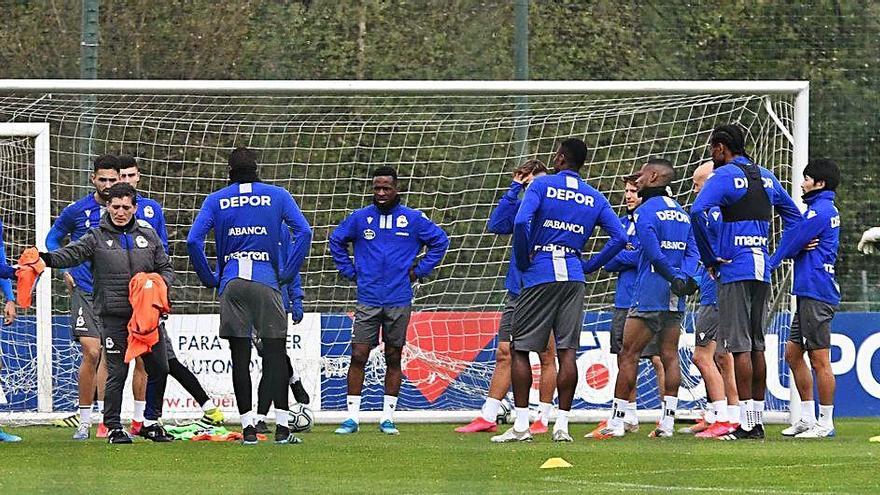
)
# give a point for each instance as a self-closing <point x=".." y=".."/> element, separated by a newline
<point x="151" y="212"/>
<point x="744" y="243"/>
<point x="669" y="252"/>
<point x="75" y="220"/>
<point x="385" y="248"/>
<point x="626" y="264"/>
<point x="292" y="291"/>
<point x="501" y="222"/>
<point x="814" y="269"/>
<point x="556" y="218"/>
<point x="708" y="285"/>
<point x="248" y="220"/>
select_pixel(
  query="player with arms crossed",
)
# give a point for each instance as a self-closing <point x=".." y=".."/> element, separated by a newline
<point x="501" y="222"/>
<point x="817" y="296"/>
<point x="746" y="194"/>
<point x="556" y="218"/>
<point x="151" y="212"/>
<point x="75" y="220"/>
<point x="248" y="217"/>
<point x="667" y="263"/>
<point x="386" y="239"/>
<point x="709" y="357"/>
<point x="626" y="264"/>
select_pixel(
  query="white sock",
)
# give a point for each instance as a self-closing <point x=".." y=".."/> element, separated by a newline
<point x="247" y="419"/>
<point x="629" y="415"/>
<point x="561" y="421"/>
<point x="281" y="417"/>
<point x="808" y="412"/>
<point x="670" y="404"/>
<point x="150" y="422"/>
<point x="85" y="414"/>
<point x="618" y="412"/>
<point x="354" y="407"/>
<point x="544" y="412"/>
<point x="139" y="406"/>
<point x="100" y="406"/>
<point x="260" y="417"/>
<point x="720" y="411"/>
<point x="826" y="414"/>
<point x="758" y="407"/>
<point x="522" y="419"/>
<point x="734" y="414"/>
<point x="490" y="409"/>
<point x="208" y="406"/>
<point x="747" y="415"/>
<point x="709" y="417"/>
<point x="389" y="404"/>
<point x="294" y="377"/>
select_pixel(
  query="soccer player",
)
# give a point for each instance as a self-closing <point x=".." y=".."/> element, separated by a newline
<point x="118" y="248"/>
<point x="626" y="264"/>
<point x="817" y="296"/>
<point x="74" y="221"/>
<point x="746" y="194"/>
<point x="145" y="411"/>
<point x="706" y="349"/>
<point x="9" y="314"/>
<point x="386" y="237"/>
<point x="556" y="218"/>
<point x="248" y="218"/>
<point x="501" y="222"/>
<point x="667" y="263"/>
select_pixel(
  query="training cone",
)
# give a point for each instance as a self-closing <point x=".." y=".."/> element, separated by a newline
<point x="872" y="439"/>
<point x="555" y="462"/>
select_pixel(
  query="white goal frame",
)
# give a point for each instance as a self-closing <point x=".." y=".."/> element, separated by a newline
<point x="799" y="138"/>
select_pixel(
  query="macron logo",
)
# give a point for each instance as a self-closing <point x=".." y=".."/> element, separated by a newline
<point x="568" y="195"/>
<point x="750" y="241"/>
<point x="236" y="201"/>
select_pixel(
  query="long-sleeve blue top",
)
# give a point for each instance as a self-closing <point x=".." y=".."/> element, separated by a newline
<point x="75" y="220"/>
<point x="743" y="244"/>
<point x="501" y="222"/>
<point x="151" y="212"/>
<point x="6" y="271"/>
<point x="814" y="269"/>
<point x="708" y="285"/>
<point x="385" y="248"/>
<point x="626" y="264"/>
<point x="556" y="218"/>
<point x="248" y="220"/>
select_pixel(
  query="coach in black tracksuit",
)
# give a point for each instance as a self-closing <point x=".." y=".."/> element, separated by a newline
<point x="120" y="247"/>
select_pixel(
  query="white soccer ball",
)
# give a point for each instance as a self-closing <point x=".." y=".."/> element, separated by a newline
<point x="301" y="418"/>
<point x="505" y="414"/>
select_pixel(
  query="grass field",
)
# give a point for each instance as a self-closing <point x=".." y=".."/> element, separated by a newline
<point x="434" y="459"/>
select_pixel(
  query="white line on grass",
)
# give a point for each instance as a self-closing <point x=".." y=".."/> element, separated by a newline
<point x="621" y="486"/>
<point x="752" y="468"/>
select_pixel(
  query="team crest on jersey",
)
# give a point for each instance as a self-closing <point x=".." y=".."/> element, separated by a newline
<point x="140" y="241"/>
<point x="402" y="222"/>
<point x="148" y="211"/>
<point x="369" y="234"/>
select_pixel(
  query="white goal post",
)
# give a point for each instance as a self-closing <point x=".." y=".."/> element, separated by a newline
<point x="319" y="139"/>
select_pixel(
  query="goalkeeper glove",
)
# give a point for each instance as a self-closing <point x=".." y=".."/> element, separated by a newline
<point x="869" y="238"/>
<point x="681" y="287"/>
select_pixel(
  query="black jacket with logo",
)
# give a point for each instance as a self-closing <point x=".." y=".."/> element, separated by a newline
<point x="116" y="254"/>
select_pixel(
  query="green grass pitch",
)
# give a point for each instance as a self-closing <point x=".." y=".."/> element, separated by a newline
<point x="434" y="459"/>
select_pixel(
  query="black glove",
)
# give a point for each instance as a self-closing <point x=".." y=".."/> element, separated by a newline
<point x="681" y="287"/>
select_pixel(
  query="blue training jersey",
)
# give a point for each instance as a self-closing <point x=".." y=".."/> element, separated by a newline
<point x="75" y="220"/>
<point x="742" y="244"/>
<point x="248" y="220"/>
<point x="150" y="211"/>
<point x="626" y="264"/>
<point x="814" y="269"/>
<point x="6" y="272"/>
<point x="501" y="222"/>
<point x="556" y="218"/>
<point x="385" y="248"/>
<point x="668" y="252"/>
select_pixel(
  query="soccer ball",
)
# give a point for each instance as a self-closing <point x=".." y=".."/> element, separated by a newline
<point x="301" y="418"/>
<point x="505" y="414"/>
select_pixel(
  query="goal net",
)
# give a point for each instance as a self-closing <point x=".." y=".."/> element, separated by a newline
<point x="454" y="152"/>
